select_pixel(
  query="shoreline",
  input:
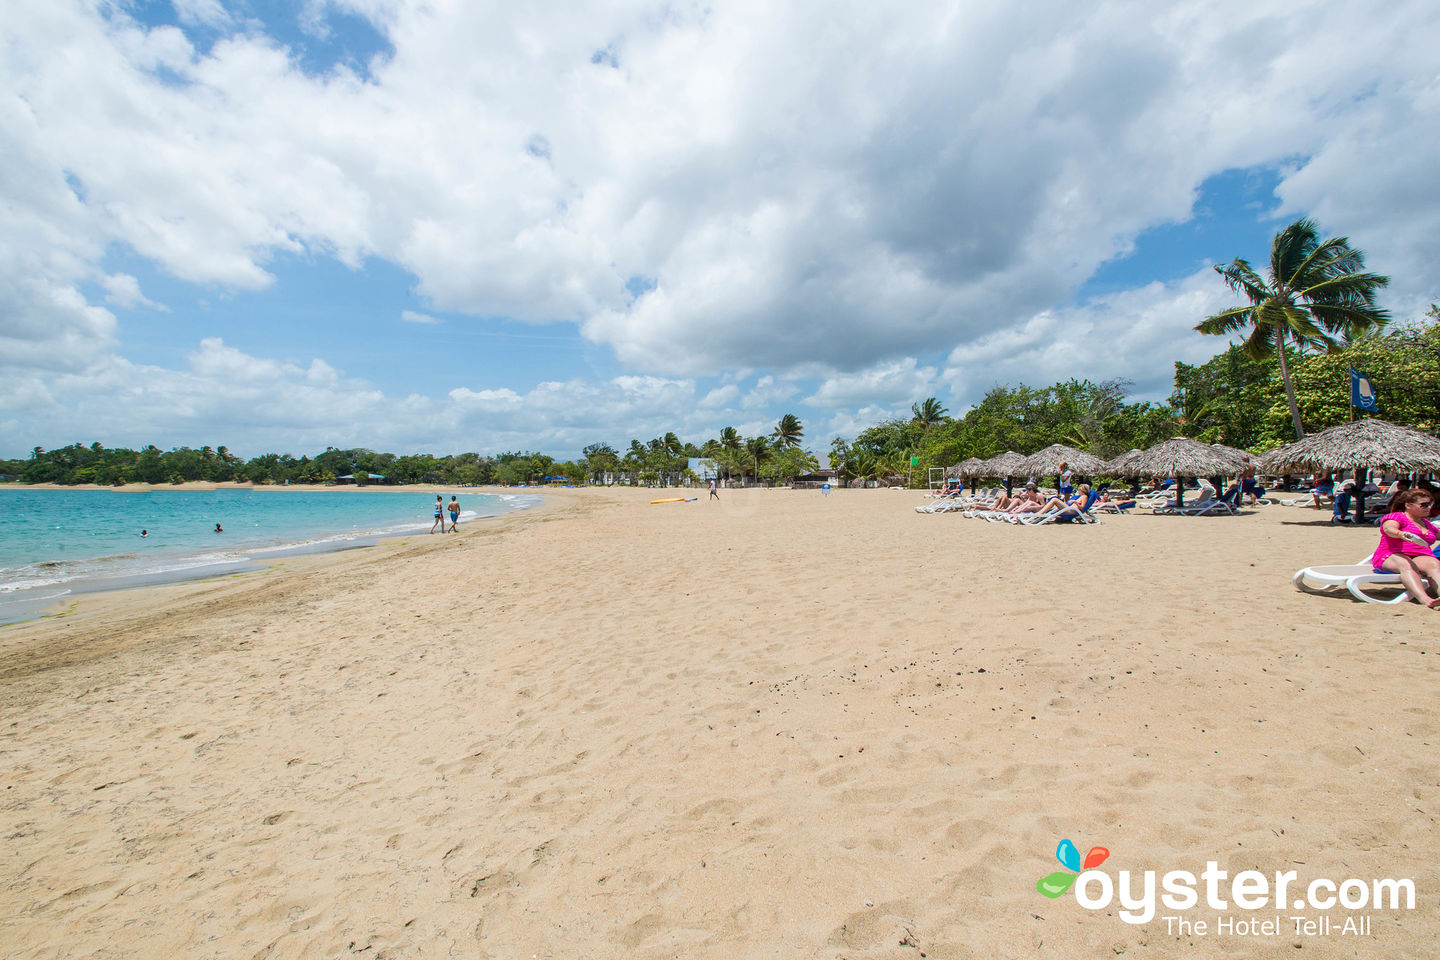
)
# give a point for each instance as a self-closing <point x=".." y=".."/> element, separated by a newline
<point x="89" y="575"/>
<point x="208" y="487"/>
<point x="773" y="725"/>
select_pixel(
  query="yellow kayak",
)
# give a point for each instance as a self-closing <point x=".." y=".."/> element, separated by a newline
<point x="675" y="500"/>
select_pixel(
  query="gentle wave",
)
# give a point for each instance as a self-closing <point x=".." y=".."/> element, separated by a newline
<point x="36" y="581"/>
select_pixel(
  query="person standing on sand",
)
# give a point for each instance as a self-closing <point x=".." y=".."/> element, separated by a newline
<point x="439" y="514"/>
<point x="713" y="494"/>
<point x="454" y="507"/>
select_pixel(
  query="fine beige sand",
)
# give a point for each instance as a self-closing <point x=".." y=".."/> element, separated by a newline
<point x="777" y="726"/>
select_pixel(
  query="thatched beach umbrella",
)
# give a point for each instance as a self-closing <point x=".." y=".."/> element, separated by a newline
<point x="1181" y="458"/>
<point x="1367" y="444"/>
<point x="1116" y="467"/>
<point x="966" y="469"/>
<point x="1049" y="460"/>
<point x="1246" y="457"/>
<point x="1003" y="467"/>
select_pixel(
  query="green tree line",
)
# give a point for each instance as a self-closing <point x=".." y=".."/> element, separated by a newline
<point x="1233" y="398"/>
<point x="661" y="461"/>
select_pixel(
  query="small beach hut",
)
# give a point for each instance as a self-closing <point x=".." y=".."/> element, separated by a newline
<point x="1003" y="467"/>
<point x="1362" y="445"/>
<point x="1048" y="461"/>
<point x="1181" y="458"/>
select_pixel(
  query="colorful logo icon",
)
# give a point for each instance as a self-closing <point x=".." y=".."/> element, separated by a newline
<point x="1060" y="881"/>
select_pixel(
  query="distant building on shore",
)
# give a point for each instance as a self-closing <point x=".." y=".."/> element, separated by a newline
<point x="350" y="478"/>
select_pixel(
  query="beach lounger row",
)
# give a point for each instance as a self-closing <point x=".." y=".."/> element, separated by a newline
<point x="1081" y="513"/>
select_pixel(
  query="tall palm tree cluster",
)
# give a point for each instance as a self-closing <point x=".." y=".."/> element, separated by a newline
<point x="883" y="453"/>
<point x="665" y="460"/>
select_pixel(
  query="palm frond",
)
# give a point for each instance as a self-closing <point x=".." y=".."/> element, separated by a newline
<point x="1349" y="318"/>
<point x="1227" y="322"/>
<point x="1302" y="327"/>
<point x="1337" y="256"/>
<point x="1242" y="278"/>
<point x="1321" y="260"/>
<point x="1355" y="287"/>
<point x="1261" y="342"/>
<point x="1290" y="250"/>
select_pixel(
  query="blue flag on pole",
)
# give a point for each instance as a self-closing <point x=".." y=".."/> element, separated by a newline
<point x="1362" y="394"/>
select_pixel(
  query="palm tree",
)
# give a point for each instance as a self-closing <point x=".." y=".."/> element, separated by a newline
<point x="730" y="438"/>
<point x="1316" y="292"/>
<point x="759" y="448"/>
<point x="789" y="430"/>
<point x="928" y="413"/>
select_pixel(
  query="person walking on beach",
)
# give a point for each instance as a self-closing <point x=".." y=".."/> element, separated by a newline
<point x="439" y="514"/>
<point x="454" y="508"/>
<point x="713" y="494"/>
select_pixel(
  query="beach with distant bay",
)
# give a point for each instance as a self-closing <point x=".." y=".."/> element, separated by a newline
<point x="778" y="724"/>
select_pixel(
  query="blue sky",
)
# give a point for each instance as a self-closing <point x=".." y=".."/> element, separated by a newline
<point x="484" y="227"/>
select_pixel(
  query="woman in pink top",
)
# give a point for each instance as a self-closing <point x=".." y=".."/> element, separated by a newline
<point x="1406" y="539"/>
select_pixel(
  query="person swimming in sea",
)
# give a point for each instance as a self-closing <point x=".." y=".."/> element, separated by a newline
<point x="218" y="529"/>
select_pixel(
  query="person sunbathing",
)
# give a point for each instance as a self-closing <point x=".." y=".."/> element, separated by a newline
<point x="1407" y="538"/>
<point x="1076" y="499"/>
<point x="1006" y="501"/>
<point x="1028" y="502"/>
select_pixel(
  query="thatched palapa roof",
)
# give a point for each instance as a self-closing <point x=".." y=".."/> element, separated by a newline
<point x="1114" y="468"/>
<point x="966" y="469"/>
<point x="1048" y="461"/>
<point x="1007" y="464"/>
<point x="1367" y="443"/>
<point x="1178" y="457"/>
<point x="1246" y="457"/>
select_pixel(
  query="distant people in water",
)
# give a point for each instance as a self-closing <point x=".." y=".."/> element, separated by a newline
<point x="144" y="534"/>
<point x="439" y="514"/>
<point x="219" y="529"/>
<point x="454" y="508"/>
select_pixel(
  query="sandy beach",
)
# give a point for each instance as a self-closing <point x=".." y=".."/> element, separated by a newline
<point x="777" y="726"/>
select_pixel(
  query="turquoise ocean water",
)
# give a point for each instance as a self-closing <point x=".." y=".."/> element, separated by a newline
<point x="57" y="542"/>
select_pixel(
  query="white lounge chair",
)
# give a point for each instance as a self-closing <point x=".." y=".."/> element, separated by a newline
<point x="1071" y="513"/>
<point x="1198" y="508"/>
<point x="1350" y="577"/>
